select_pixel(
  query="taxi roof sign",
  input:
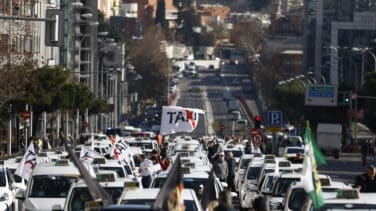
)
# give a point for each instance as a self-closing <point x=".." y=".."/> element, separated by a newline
<point x="105" y="177"/>
<point x="99" y="161"/>
<point x="348" y="194"/>
<point x="190" y="165"/>
<point x="63" y="162"/>
<point x="269" y="161"/>
<point x="184" y="154"/>
<point x="58" y="152"/>
<point x="269" y="157"/>
<point x="18" y="159"/>
<point x="284" y="164"/>
<point x="257" y="155"/>
<point x="325" y="181"/>
<point x="185" y="170"/>
<point x="133" y="184"/>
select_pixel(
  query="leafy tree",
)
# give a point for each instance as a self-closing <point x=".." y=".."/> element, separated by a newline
<point x="16" y="82"/>
<point x="151" y="63"/>
<point x="113" y="32"/>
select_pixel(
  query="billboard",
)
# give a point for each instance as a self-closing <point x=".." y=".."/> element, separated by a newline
<point x="321" y="95"/>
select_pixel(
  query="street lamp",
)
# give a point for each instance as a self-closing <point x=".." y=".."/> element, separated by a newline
<point x="363" y="51"/>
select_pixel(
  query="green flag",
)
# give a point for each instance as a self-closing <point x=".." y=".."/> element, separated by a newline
<point x="310" y="177"/>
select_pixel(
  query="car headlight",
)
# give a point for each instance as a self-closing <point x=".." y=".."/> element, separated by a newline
<point x="4" y="197"/>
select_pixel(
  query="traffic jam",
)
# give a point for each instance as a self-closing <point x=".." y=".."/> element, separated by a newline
<point x="140" y="170"/>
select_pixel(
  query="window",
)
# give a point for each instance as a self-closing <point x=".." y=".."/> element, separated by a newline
<point x="50" y="186"/>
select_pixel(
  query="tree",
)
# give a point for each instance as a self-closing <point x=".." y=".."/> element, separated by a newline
<point x="247" y="35"/>
<point x="151" y="63"/>
<point x="16" y="82"/>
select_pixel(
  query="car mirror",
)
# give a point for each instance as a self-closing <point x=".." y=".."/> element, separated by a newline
<point x="20" y="195"/>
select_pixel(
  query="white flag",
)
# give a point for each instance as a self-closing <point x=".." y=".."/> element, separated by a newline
<point x="179" y="119"/>
<point x="27" y="164"/>
<point x="87" y="153"/>
<point x="122" y="151"/>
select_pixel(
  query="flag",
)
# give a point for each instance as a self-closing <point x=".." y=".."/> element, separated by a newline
<point x="87" y="153"/>
<point x="28" y="163"/>
<point x="310" y="177"/>
<point x="122" y="151"/>
<point x="210" y="194"/>
<point x="179" y="119"/>
<point x="170" y="195"/>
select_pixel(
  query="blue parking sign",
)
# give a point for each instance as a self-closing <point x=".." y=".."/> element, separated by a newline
<point x="275" y="118"/>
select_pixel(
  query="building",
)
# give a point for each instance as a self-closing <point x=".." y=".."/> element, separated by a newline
<point x="334" y="29"/>
<point x="212" y="13"/>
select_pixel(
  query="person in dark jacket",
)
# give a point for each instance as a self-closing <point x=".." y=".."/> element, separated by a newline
<point x="220" y="167"/>
<point x="224" y="202"/>
<point x="367" y="181"/>
<point x="231" y="171"/>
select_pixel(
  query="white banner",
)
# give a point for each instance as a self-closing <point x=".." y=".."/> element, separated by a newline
<point x="87" y="153"/>
<point x="179" y="119"/>
<point x="27" y="164"/>
<point x="122" y="151"/>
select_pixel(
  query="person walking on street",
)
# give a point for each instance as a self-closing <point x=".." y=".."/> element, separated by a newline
<point x="220" y="167"/>
<point x="224" y="202"/>
<point x="367" y="181"/>
<point x="145" y="170"/>
<point x="231" y="171"/>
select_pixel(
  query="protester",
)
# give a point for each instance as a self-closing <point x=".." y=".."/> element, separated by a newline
<point x="231" y="171"/>
<point x="367" y="181"/>
<point x="165" y="163"/>
<point x="224" y="202"/>
<point x="259" y="204"/>
<point x="220" y="167"/>
<point x="145" y="171"/>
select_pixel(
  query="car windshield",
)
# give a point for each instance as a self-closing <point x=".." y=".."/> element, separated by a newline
<point x="192" y="183"/>
<point x="282" y="185"/>
<point x="297" y="199"/>
<point x="80" y="196"/>
<point x="16" y="178"/>
<point x="253" y="172"/>
<point x="244" y="163"/>
<point x="188" y="204"/>
<point x="119" y="171"/>
<point x="294" y="150"/>
<point x="50" y="186"/>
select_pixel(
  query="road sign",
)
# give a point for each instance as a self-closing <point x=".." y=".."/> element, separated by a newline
<point x="321" y="95"/>
<point x="275" y="118"/>
<point x="25" y="115"/>
<point x="222" y="127"/>
<point x="257" y="136"/>
<point x="274" y="129"/>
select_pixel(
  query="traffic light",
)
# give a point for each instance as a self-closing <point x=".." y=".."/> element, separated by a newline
<point x="257" y="122"/>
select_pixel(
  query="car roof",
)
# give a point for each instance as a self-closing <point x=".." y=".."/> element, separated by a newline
<point x="151" y="193"/>
<point x="53" y="169"/>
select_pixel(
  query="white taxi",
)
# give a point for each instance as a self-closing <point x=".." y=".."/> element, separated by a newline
<point x="148" y="196"/>
<point x="48" y="186"/>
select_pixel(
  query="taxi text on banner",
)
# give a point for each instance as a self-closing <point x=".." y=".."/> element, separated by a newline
<point x="179" y="119"/>
<point x="27" y="164"/>
<point x="122" y="151"/>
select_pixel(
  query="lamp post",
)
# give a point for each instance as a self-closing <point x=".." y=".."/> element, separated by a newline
<point x="363" y="51"/>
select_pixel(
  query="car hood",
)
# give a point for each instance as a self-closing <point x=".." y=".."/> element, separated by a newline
<point x="44" y="203"/>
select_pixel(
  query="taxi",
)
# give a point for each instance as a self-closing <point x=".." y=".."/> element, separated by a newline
<point x="102" y="164"/>
<point x="148" y="196"/>
<point x="6" y="193"/>
<point x="296" y="195"/>
<point x="280" y="187"/>
<point x="147" y="145"/>
<point x="48" y="185"/>
<point x="79" y="197"/>
<point x="239" y="176"/>
<point x="345" y="199"/>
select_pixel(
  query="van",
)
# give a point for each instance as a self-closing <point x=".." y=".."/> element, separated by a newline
<point x="49" y="185"/>
<point x="235" y="115"/>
